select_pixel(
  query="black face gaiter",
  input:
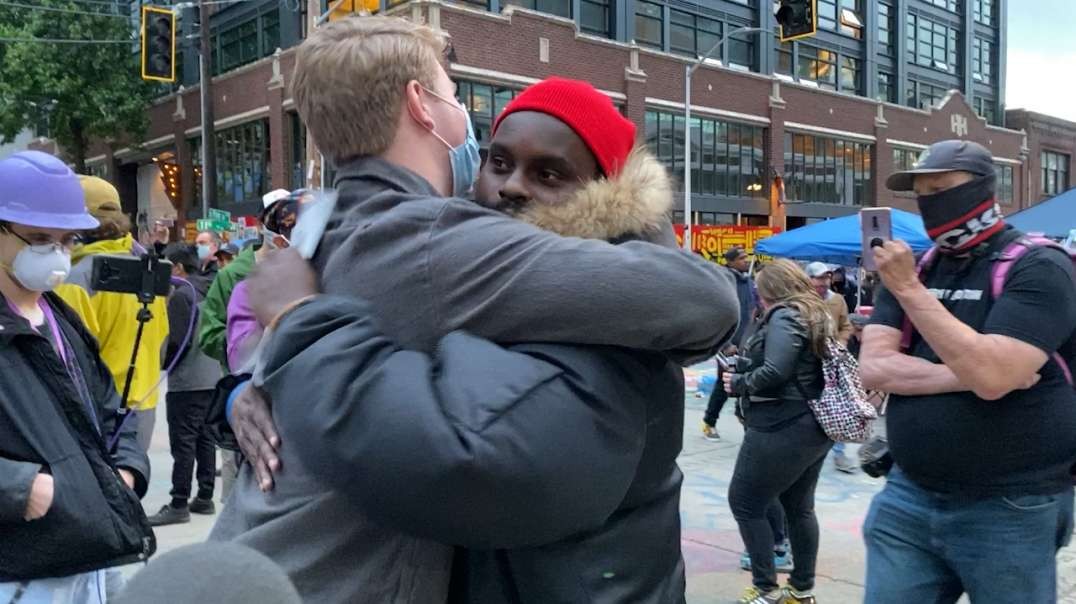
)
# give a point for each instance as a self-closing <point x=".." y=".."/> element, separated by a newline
<point x="961" y="218"/>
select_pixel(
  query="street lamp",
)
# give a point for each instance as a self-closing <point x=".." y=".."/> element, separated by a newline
<point x="688" y="71"/>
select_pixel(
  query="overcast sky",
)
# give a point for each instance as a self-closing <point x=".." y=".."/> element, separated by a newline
<point x="1041" y="74"/>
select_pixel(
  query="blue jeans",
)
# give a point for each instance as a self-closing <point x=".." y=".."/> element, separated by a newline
<point x="929" y="548"/>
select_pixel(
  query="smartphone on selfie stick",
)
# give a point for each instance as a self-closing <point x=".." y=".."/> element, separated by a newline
<point x="146" y="277"/>
<point x="876" y="226"/>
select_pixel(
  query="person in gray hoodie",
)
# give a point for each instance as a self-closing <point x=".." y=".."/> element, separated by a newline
<point x="191" y="381"/>
<point x="430" y="265"/>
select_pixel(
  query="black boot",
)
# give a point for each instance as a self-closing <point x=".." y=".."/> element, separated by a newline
<point x="170" y="515"/>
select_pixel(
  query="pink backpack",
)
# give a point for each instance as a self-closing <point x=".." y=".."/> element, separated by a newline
<point x="1000" y="273"/>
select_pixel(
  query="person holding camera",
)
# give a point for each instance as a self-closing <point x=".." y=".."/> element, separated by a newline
<point x="982" y="412"/>
<point x="783" y="448"/>
<point x="115" y="312"/>
<point x="69" y="508"/>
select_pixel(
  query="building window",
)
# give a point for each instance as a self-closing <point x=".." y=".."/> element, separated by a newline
<point x="1004" y="185"/>
<point x="728" y="159"/>
<point x="842" y="16"/>
<point x="741" y="50"/>
<point x="714" y="218"/>
<point x="932" y="44"/>
<point x="986" y="109"/>
<point x="827" y="170"/>
<point x="1055" y="173"/>
<point x="594" y="17"/>
<point x="270" y="23"/>
<point x="887" y="28"/>
<point x="950" y="5"/>
<point x="246" y="42"/>
<point x="298" y="152"/>
<point x="784" y="57"/>
<point x="923" y="95"/>
<point x="982" y="60"/>
<point x="904" y="159"/>
<point x="984" y="11"/>
<point x="887" y="90"/>
<point x="648" y="24"/>
<point x="560" y="8"/>
<point x="818" y="65"/>
<point x="851" y="75"/>
<point x="691" y="34"/>
<point x="242" y="163"/>
<point x="484" y="102"/>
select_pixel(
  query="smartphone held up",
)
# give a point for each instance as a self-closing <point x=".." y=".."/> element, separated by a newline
<point x="876" y="225"/>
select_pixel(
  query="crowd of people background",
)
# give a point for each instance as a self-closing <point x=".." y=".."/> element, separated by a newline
<point x="497" y="347"/>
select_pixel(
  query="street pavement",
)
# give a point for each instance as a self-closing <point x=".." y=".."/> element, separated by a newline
<point x="711" y="541"/>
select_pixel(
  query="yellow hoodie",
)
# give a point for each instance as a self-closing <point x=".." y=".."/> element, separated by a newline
<point x="116" y="326"/>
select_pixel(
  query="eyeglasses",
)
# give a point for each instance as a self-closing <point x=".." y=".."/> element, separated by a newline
<point x="38" y="241"/>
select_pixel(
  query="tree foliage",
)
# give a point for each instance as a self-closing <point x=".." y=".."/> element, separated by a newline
<point x="83" y="92"/>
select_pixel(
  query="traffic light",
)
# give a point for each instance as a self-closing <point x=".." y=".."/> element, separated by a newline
<point x="158" y="44"/>
<point x="798" y="19"/>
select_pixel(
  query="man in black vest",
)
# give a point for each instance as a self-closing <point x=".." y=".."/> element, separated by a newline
<point x="982" y="420"/>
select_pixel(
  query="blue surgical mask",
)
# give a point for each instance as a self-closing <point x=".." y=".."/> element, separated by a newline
<point x="203" y="252"/>
<point x="464" y="159"/>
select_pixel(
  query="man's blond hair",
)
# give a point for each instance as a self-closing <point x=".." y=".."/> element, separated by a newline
<point x="350" y="77"/>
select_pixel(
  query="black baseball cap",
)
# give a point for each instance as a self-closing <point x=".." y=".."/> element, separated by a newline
<point x="735" y="254"/>
<point x="946" y="156"/>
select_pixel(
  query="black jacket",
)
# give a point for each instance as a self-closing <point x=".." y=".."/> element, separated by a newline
<point x="444" y="447"/>
<point x="95" y="521"/>
<point x="781" y="371"/>
<point x="193" y="370"/>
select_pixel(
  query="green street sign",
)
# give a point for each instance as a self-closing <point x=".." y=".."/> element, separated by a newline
<point x="218" y="216"/>
<point x="204" y="224"/>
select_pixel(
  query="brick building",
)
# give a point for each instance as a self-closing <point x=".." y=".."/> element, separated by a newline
<point x="1052" y="147"/>
<point x="822" y="112"/>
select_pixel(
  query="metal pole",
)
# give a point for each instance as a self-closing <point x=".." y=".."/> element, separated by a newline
<point x="688" y="70"/>
<point x="209" y="150"/>
<point x="687" y="157"/>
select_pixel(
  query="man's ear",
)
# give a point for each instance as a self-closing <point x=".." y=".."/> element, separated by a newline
<point x="415" y="105"/>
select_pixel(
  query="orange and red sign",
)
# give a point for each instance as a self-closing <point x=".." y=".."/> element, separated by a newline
<point x="712" y="241"/>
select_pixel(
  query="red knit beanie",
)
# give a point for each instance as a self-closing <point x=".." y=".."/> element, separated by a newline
<point x="591" y="114"/>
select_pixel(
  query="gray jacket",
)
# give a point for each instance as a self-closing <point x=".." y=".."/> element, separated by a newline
<point x="430" y="266"/>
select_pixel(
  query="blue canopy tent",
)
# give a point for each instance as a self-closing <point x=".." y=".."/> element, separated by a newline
<point x="1055" y="217"/>
<point x="838" y="241"/>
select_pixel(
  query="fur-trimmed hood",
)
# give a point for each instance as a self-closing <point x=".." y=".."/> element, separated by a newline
<point x="635" y="202"/>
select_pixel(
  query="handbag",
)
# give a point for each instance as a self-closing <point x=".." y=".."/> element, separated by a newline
<point x="842" y="409"/>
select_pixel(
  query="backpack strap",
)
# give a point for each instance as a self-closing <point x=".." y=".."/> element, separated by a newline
<point x="907" y="330"/>
<point x="1000" y="274"/>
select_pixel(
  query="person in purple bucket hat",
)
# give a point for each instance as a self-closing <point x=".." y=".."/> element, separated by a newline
<point x="69" y="509"/>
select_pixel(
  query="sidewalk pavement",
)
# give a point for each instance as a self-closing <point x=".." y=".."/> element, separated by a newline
<point x="711" y="541"/>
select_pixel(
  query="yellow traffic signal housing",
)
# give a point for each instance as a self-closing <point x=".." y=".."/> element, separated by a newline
<point x="158" y="44"/>
<point x="798" y="19"/>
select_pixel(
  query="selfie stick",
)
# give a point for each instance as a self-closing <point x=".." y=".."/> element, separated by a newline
<point x="146" y="295"/>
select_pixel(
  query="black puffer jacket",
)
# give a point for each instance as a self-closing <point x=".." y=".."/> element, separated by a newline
<point x="95" y="521"/>
<point x="554" y="465"/>
<point x="781" y="371"/>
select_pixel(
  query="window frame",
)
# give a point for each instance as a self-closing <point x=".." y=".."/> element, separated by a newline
<point x="1055" y="172"/>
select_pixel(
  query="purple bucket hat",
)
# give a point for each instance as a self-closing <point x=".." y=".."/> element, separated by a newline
<point x="39" y="190"/>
